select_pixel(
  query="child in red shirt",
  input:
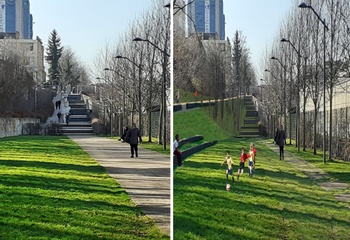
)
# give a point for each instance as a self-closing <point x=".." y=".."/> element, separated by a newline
<point x="243" y="158"/>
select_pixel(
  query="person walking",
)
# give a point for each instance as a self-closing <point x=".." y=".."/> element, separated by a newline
<point x="134" y="135"/>
<point x="67" y="118"/>
<point x="177" y="152"/>
<point x="59" y="114"/>
<point x="59" y="104"/>
<point x="281" y="141"/>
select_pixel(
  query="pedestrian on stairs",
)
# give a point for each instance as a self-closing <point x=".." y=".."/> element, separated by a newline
<point x="59" y="114"/>
<point x="67" y="118"/>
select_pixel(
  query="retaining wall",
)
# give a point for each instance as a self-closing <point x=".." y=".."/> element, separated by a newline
<point x="14" y="126"/>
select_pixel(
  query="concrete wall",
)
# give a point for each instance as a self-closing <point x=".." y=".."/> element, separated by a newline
<point x="14" y="126"/>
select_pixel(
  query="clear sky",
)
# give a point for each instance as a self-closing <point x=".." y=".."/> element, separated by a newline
<point x="85" y="25"/>
<point x="259" y="21"/>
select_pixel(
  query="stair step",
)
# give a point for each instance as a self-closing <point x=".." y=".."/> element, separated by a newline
<point x="77" y="130"/>
<point x="78" y="111"/>
<point x="249" y="133"/>
<point x="248" y="136"/>
<point x="77" y="105"/>
<point x="253" y="127"/>
<point x="77" y="124"/>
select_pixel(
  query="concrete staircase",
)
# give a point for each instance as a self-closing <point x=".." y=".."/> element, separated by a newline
<point x="250" y="127"/>
<point x="79" y="120"/>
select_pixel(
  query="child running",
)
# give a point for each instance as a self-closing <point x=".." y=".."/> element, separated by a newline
<point x="243" y="158"/>
<point x="251" y="161"/>
<point x="229" y="162"/>
<point x="252" y="146"/>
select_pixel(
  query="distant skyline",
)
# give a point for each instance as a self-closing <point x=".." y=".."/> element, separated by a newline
<point x="83" y="25"/>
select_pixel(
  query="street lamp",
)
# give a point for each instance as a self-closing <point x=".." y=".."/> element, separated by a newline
<point x="284" y="91"/>
<point x="112" y="100"/>
<point x="304" y="5"/>
<point x="298" y="90"/>
<point x="139" y="92"/>
<point x="165" y="59"/>
<point x="149" y="101"/>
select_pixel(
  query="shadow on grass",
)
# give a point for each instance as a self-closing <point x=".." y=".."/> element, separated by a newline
<point x="51" y="166"/>
<point x="198" y="202"/>
<point x="56" y="184"/>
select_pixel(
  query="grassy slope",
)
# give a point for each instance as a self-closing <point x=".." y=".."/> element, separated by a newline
<point x="191" y="123"/>
<point x="186" y="96"/>
<point x="279" y="202"/>
<point x="51" y="189"/>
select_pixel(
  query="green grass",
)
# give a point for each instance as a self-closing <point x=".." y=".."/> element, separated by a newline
<point x="197" y="122"/>
<point x="279" y="202"/>
<point x="338" y="169"/>
<point x="155" y="146"/>
<point x="186" y="96"/>
<point x="51" y="189"/>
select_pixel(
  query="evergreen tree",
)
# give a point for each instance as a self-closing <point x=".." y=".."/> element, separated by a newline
<point x="53" y="54"/>
<point x="237" y="56"/>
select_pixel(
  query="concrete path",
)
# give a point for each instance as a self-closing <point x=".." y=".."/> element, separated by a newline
<point x="146" y="179"/>
<point x="321" y="178"/>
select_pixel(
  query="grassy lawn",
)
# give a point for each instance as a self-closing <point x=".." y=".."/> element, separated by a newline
<point x="279" y="202"/>
<point x="186" y="96"/>
<point x="155" y="146"/>
<point x="197" y="122"/>
<point x="51" y="189"/>
<point x="338" y="169"/>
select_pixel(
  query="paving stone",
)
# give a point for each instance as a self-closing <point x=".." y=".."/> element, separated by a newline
<point x="333" y="185"/>
<point x="146" y="179"/>
<point x="315" y="173"/>
<point x="345" y="197"/>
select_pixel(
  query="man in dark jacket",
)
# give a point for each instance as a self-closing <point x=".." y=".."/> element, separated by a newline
<point x="134" y="135"/>
<point x="281" y="141"/>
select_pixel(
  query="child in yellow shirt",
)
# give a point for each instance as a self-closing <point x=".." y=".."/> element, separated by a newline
<point x="229" y="162"/>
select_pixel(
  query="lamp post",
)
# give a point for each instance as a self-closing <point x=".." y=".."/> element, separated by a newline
<point x="284" y="91"/>
<point x="112" y="100"/>
<point x="304" y="5"/>
<point x="266" y="70"/>
<point x="165" y="60"/>
<point x="139" y="90"/>
<point x="298" y="95"/>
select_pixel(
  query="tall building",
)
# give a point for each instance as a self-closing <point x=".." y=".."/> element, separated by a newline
<point x="206" y="17"/>
<point x="15" y="17"/>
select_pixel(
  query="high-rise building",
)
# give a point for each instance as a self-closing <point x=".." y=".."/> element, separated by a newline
<point x="15" y="17"/>
<point x="206" y="17"/>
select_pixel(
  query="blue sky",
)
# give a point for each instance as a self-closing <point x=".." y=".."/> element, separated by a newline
<point x="259" y="21"/>
<point x="85" y="25"/>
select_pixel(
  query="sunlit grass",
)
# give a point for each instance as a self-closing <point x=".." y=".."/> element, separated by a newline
<point x="51" y="189"/>
<point x="197" y="122"/>
<point x="279" y="202"/>
<point x="155" y="146"/>
<point x="338" y="169"/>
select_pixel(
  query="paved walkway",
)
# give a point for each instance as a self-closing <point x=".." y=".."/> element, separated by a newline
<point x="316" y="174"/>
<point x="146" y="179"/>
